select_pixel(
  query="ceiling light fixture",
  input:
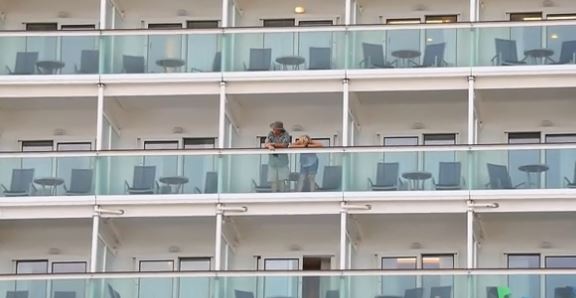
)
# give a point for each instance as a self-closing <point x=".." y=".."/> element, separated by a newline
<point x="299" y="9"/>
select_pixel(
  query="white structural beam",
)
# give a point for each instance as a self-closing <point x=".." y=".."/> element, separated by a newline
<point x="103" y="11"/>
<point x="470" y="251"/>
<point x="218" y="242"/>
<point x="94" y="244"/>
<point x="343" y="239"/>
<point x="345" y="112"/>
<point x="474" y="10"/>
<point x="222" y="116"/>
<point x="100" y="117"/>
<point x="225" y="17"/>
<point x="471" y="111"/>
<point x="348" y="12"/>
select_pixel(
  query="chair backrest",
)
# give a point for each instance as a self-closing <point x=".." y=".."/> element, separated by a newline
<point x="332" y="179"/>
<point x="81" y="181"/>
<point x="263" y="182"/>
<point x="144" y="177"/>
<point x="217" y="63"/>
<point x="568" y="52"/>
<point x="434" y="54"/>
<point x="499" y="177"/>
<point x="506" y="50"/>
<point x="491" y="292"/>
<point x="414" y="293"/>
<point x="373" y="54"/>
<point x="332" y="294"/>
<point x="320" y="58"/>
<point x="21" y="180"/>
<point x="449" y="173"/>
<point x="133" y="64"/>
<point x="243" y="294"/>
<point x="113" y="293"/>
<point x="441" y="292"/>
<point x="211" y="183"/>
<point x="260" y="59"/>
<point x="26" y="62"/>
<point x="564" y="292"/>
<point x="16" y="294"/>
<point x="387" y="173"/>
<point x="64" y="294"/>
<point x="89" y="61"/>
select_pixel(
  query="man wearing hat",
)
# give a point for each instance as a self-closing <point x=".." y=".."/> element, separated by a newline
<point x="278" y="170"/>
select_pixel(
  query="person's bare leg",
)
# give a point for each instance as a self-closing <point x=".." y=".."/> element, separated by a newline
<point x="311" y="180"/>
<point x="301" y="181"/>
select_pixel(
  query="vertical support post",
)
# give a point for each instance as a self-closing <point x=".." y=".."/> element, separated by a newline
<point x="225" y="16"/>
<point x="471" y="111"/>
<point x="218" y="248"/>
<point x="470" y="251"/>
<point x="343" y="235"/>
<point x="345" y="111"/>
<point x="103" y="12"/>
<point x="94" y="244"/>
<point x="100" y="117"/>
<point x="474" y="10"/>
<point x="222" y="116"/>
<point x="348" y="12"/>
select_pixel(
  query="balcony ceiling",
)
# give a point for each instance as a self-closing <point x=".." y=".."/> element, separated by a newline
<point x="289" y="100"/>
<point x="132" y="103"/>
<point x="412" y="97"/>
<point x="60" y="104"/>
<point x="523" y="95"/>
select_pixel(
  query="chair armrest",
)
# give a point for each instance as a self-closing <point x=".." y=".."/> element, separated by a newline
<point x="520" y="184"/>
<point x="363" y="63"/>
<point x="370" y="182"/>
<point x="463" y="181"/>
<point x="4" y="187"/>
<point x="194" y="69"/>
<point x="157" y="186"/>
<point x="565" y="179"/>
<point x="8" y="69"/>
<point x="126" y="186"/>
<point x="76" y="70"/>
<point x="433" y="181"/>
<point x="245" y="67"/>
<point x="65" y="188"/>
<point x="197" y="190"/>
<point x="254" y="184"/>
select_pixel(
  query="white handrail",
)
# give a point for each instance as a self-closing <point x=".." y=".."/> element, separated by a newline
<point x="260" y="274"/>
<point x="256" y="151"/>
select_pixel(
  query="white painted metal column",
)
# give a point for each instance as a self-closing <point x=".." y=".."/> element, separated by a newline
<point x="348" y="13"/>
<point x="345" y="111"/>
<point x="343" y="236"/>
<point x="474" y="6"/>
<point x="470" y="251"/>
<point x="100" y="117"/>
<point x="471" y="111"/>
<point x="103" y="11"/>
<point x="225" y="10"/>
<point x="222" y="116"/>
<point x="94" y="244"/>
<point x="218" y="248"/>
